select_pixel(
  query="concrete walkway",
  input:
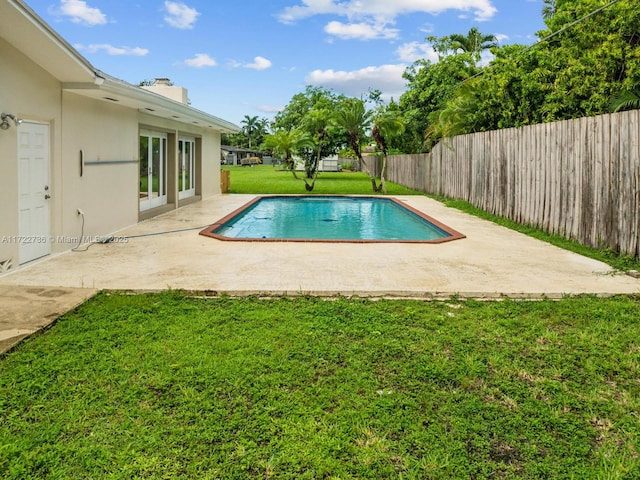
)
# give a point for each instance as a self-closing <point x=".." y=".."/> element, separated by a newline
<point x="492" y="262"/>
<point x="26" y="310"/>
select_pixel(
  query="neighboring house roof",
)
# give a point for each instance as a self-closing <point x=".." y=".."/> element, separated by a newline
<point x="229" y="148"/>
<point x="27" y="32"/>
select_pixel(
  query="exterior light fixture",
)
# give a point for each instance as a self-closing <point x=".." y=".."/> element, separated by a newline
<point x="4" y="122"/>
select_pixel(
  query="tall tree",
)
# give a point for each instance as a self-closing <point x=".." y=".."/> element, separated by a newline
<point x="250" y="126"/>
<point x="317" y="124"/>
<point x="588" y="55"/>
<point x="594" y="47"/>
<point x="385" y="126"/>
<point x="429" y="86"/>
<point x="287" y="144"/>
<point x="355" y="120"/>
<point x="473" y="42"/>
<point x="307" y="111"/>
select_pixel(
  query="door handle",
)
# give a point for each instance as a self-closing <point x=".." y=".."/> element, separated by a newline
<point x="47" y="196"/>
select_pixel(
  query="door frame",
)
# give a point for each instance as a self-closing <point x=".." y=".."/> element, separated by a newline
<point x="147" y="201"/>
<point x="34" y="233"/>
<point x="189" y="166"/>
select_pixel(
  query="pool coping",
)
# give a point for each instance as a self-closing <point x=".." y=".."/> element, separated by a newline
<point x="452" y="233"/>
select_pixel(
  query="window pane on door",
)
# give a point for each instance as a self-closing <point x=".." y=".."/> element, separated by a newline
<point x="155" y="167"/>
<point x="187" y="164"/>
<point x="144" y="168"/>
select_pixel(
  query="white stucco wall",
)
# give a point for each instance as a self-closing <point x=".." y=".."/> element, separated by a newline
<point x="210" y="164"/>
<point x="107" y="193"/>
<point x="33" y="94"/>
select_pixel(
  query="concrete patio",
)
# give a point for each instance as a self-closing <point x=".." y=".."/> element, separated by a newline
<point x="167" y="252"/>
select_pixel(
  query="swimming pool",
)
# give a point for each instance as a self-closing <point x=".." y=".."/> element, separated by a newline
<point x="329" y="218"/>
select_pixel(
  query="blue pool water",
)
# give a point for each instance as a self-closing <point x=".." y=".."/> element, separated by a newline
<point x="326" y="218"/>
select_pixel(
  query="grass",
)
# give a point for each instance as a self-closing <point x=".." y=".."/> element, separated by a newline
<point x="165" y="386"/>
<point x="611" y="258"/>
<point x="265" y="179"/>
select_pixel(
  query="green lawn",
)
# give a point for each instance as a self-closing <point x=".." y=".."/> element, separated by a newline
<point x="165" y="386"/>
<point x="272" y="179"/>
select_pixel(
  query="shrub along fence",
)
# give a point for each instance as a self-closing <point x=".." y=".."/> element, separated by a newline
<point x="576" y="178"/>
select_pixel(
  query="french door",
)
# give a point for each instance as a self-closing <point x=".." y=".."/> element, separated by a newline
<point x="153" y="169"/>
<point x="186" y="167"/>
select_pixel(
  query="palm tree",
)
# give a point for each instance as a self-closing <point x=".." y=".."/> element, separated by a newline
<point x="549" y="10"/>
<point x="352" y="116"/>
<point x="473" y="42"/>
<point x="385" y="126"/>
<point x="456" y="115"/>
<point x="286" y="144"/>
<point x="316" y="122"/>
<point x="262" y="128"/>
<point x="250" y="126"/>
<point x="626" y="100"/>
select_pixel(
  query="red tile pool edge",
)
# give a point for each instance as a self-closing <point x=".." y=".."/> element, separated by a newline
<point x="208" y="231"/>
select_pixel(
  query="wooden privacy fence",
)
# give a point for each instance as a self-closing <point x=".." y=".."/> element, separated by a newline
<point x="576" y="178"/>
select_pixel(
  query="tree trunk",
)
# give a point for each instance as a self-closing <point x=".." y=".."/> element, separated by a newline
<point x="383" y="175"/>
<point x="292" y="167"/>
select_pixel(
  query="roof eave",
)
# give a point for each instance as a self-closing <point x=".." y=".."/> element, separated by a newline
<point x="110" y="89"/>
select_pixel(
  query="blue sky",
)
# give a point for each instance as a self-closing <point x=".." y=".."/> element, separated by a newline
<point x="249" y="57"/>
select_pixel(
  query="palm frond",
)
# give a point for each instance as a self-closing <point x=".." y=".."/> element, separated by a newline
<point x="625" y="100"/>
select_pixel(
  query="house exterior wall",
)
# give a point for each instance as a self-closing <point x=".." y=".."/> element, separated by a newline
<point x="210" y="170"/>
<point x="107" y="134"/>
<point x="107" y="191"/>
<point x="31" y="93"/>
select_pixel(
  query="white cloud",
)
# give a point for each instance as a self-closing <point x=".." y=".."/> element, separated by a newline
<point x="385" y="10"/>
<point x="310" y="8"/>
<point x="269" y="108"/>
<point x="428" y="28"/>
<point x="180" y="15"/>
<point x="410" y="52"/>
<point x="79" y="12"/>
<point x="200" y="60"/>
<point x="500" y="37"/>
<point x="111" y="50"/>
<point x="259" y="63"/>
<point x="361" y="31"/>
<point x="486" y="57"/>
<point x="386" y="78"/>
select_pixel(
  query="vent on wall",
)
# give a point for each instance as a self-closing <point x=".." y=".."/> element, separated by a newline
<point x="5" y="265"/>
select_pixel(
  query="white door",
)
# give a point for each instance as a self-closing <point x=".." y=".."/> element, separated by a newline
<point x="186" y="167"/>
<point x="153" y="170"/>
<point x="33" y="191"/>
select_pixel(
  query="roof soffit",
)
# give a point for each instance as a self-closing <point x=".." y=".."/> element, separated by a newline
<point x="23" y="29"/>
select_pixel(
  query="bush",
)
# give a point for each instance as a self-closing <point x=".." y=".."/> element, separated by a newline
<point x="346" y="166"/>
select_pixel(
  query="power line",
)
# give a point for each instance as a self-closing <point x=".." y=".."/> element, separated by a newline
<point x="548" y="37"/>
<point x="575" y="22"/>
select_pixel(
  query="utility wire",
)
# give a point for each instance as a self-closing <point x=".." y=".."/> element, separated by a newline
<point x="170" y="231"/>
<point x="558" y="32"/>
<point x="568" y="26"/>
